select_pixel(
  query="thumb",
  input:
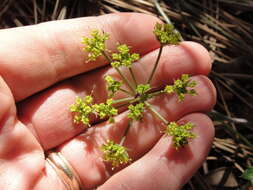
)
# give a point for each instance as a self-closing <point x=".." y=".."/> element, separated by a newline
<point x="20" y="154"/>
<point x="7" y="108"/>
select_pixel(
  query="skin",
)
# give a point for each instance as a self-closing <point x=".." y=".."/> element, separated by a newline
<point x="43" y="69"/>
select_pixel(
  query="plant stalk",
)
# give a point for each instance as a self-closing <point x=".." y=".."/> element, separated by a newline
<point x="132" y="100"/>
<point x="133" y="76"/>
<point x="123" y="100"/>
<point x="120" y="73"/>
<point x="156" y="64"/>
<point x="126" y="80"/>
<point x="157" y="93"/>
<point x="125" y="134"/>
<point x="125" y="91"/>
<point x="149" y="106"/>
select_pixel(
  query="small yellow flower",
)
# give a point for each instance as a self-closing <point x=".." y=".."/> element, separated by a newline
<point x="180" y="133"/>
<point x="115" y="153"/>
<point x="166" y="34"/>
<point x="112" y="85"/>
<point x="135" y="111"/>
<point x="124" y="57"/>
<point x="95" y="45"/>
<point x="181" y="87"/>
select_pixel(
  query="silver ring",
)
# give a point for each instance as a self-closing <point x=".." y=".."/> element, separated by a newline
<point x="64" y="171"/>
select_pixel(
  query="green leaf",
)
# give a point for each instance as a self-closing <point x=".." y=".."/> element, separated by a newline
<point x="248" y="174"/>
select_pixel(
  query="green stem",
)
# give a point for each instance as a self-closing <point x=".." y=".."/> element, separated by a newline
<point x="127" y="92"/>
<point x="122" y="105"/>
<point x="132" y="101"/>
<point x="156" y="64"/>
<point x="120" y="73"/>
<point x="125" y="134"/>
<point x="125" y="80"/>
<point x="149" y="106"/>
<point x="123" y="100"/>
<point x="107" y="57"/>
<point x="156" y="93"/>
<point x="133" y="76"/>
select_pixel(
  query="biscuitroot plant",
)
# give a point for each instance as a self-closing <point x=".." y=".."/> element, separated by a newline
<point x="138" y="96"/>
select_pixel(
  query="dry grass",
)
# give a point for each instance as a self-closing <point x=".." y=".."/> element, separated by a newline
<point x="225" y="28"/>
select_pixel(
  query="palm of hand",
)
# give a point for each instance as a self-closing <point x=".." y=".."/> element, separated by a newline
<point x="43" y="121"/>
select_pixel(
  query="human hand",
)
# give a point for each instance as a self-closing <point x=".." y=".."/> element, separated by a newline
<point x="35" y="115"/>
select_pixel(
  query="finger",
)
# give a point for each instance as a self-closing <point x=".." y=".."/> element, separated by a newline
<point x="48" y="115"/>
<point x="7" y="108"/>
<point x="49" y="179"/>
<point x="141" y="136"/>
<point x="20" y="153"/>
<point x="50" y="52"/>
<point x="164" y="167"/>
